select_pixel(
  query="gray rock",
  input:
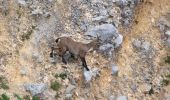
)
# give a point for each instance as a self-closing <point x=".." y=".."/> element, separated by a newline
<point x="22" y="2"/>
<point x="118" y="41"/>
<point x="107" y="49"/>
<point x="115" y="70"/>
<point x="164" y="23"/>
<point x="53" y="60"/>
<point x="69" y="89"/>
<point x="103" y="12"/>
<point x="112" y="12"/>
<point x="37" y="57"/>
<point x="112" y="97"/>
<point x="167" y="97"/>
<point x="99" y="18"/>
<point x="167" y="33"/>
<point x="146" y="46"/>
<point x="68" y="96"/>
<point x="23" y="71"/>
<point x="134" y="87"/>
<point x="95" y="72"/>
<point x="127" y="13"/>
<point x="87" y="76"/>
<point x="122" y="98"/>
<point x="50" y="0"/>
<point x="47" y="14"/>
<point x="121" y="3"/>
<point x="72" y="80"/>
<point x="142" y="45"/>
<point x="168" y="42"/>
<point x="35" y="88"/>
<point x="129" y="3"/>
<point x="37" y="12"/>
<point x="4" y="6"/>
<point x="106" y="32"/>
<point x="145" y="88"/>
<point x="137" y="44"/>
<point x="84" y="25"/>
<point x="127" y="16"/>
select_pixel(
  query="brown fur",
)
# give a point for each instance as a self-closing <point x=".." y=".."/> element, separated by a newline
<point x="77" y="49"/>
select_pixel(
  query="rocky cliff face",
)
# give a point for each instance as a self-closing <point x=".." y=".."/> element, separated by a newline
<point x="132" y="62"/>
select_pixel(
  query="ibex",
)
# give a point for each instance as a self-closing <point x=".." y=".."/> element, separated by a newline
<point x="77" y="49"/>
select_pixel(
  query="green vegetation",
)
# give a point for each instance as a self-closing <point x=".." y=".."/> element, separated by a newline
<point x="61" y="75"/>
<point x="27" y="35"/>
<point x="35" y="98"/>
<point x="26" y="97"/>
<point x="166" y="80"/>
<point x="4" y="97"/>
<point x="18" y="97"/>
<point x="5" y="12"/>
<point x="3" y="83"/>
<point x="167" y="60"/>
<point x="55" y="85"/>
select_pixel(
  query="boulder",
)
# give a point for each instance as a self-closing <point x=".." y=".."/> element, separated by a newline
<point x="145" y="88"/>
<point x="93" y="73"/>
<point x="122" y="98"/>
<point x="99" y="18"/>
<point x="118" y="41"/>
<point x="106" y="32"/>
<point x="168" y="42"/>
<point x="106" y="49"/>
<point x="69" y="89"/>
<point x="167" y="32"/>
<point x="23" y="71"/>
<point x="142" y="45"/>
<point x="115" y="70"/>
<point x="35" y="88"/>
<point x="22" y="2"/>
<point x="87" y="75"/>
<point x="112" y="97"/>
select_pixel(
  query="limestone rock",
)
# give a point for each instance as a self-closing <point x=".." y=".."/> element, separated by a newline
<point x="35" y="88"/>
<point x="114" y="70"/>
<point x="106" y="32"/>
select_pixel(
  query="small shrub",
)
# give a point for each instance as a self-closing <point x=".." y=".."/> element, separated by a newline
<point x="4" y="97"/>
<point x="62" y="76"/>
<point x="26" y="36"/>
<point x="4" y="86"/>
<point x="55" y="85"/>
<point x="168" y="76"/>
<point x="18" y="97"/>
<point x="26" y="97"/>
<point x="167" y="60"/>
<point x="166" y="80"/>
<point x="3" y="83"/>
<point x="33" y="26"/>
<point x="35" y="98"/>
